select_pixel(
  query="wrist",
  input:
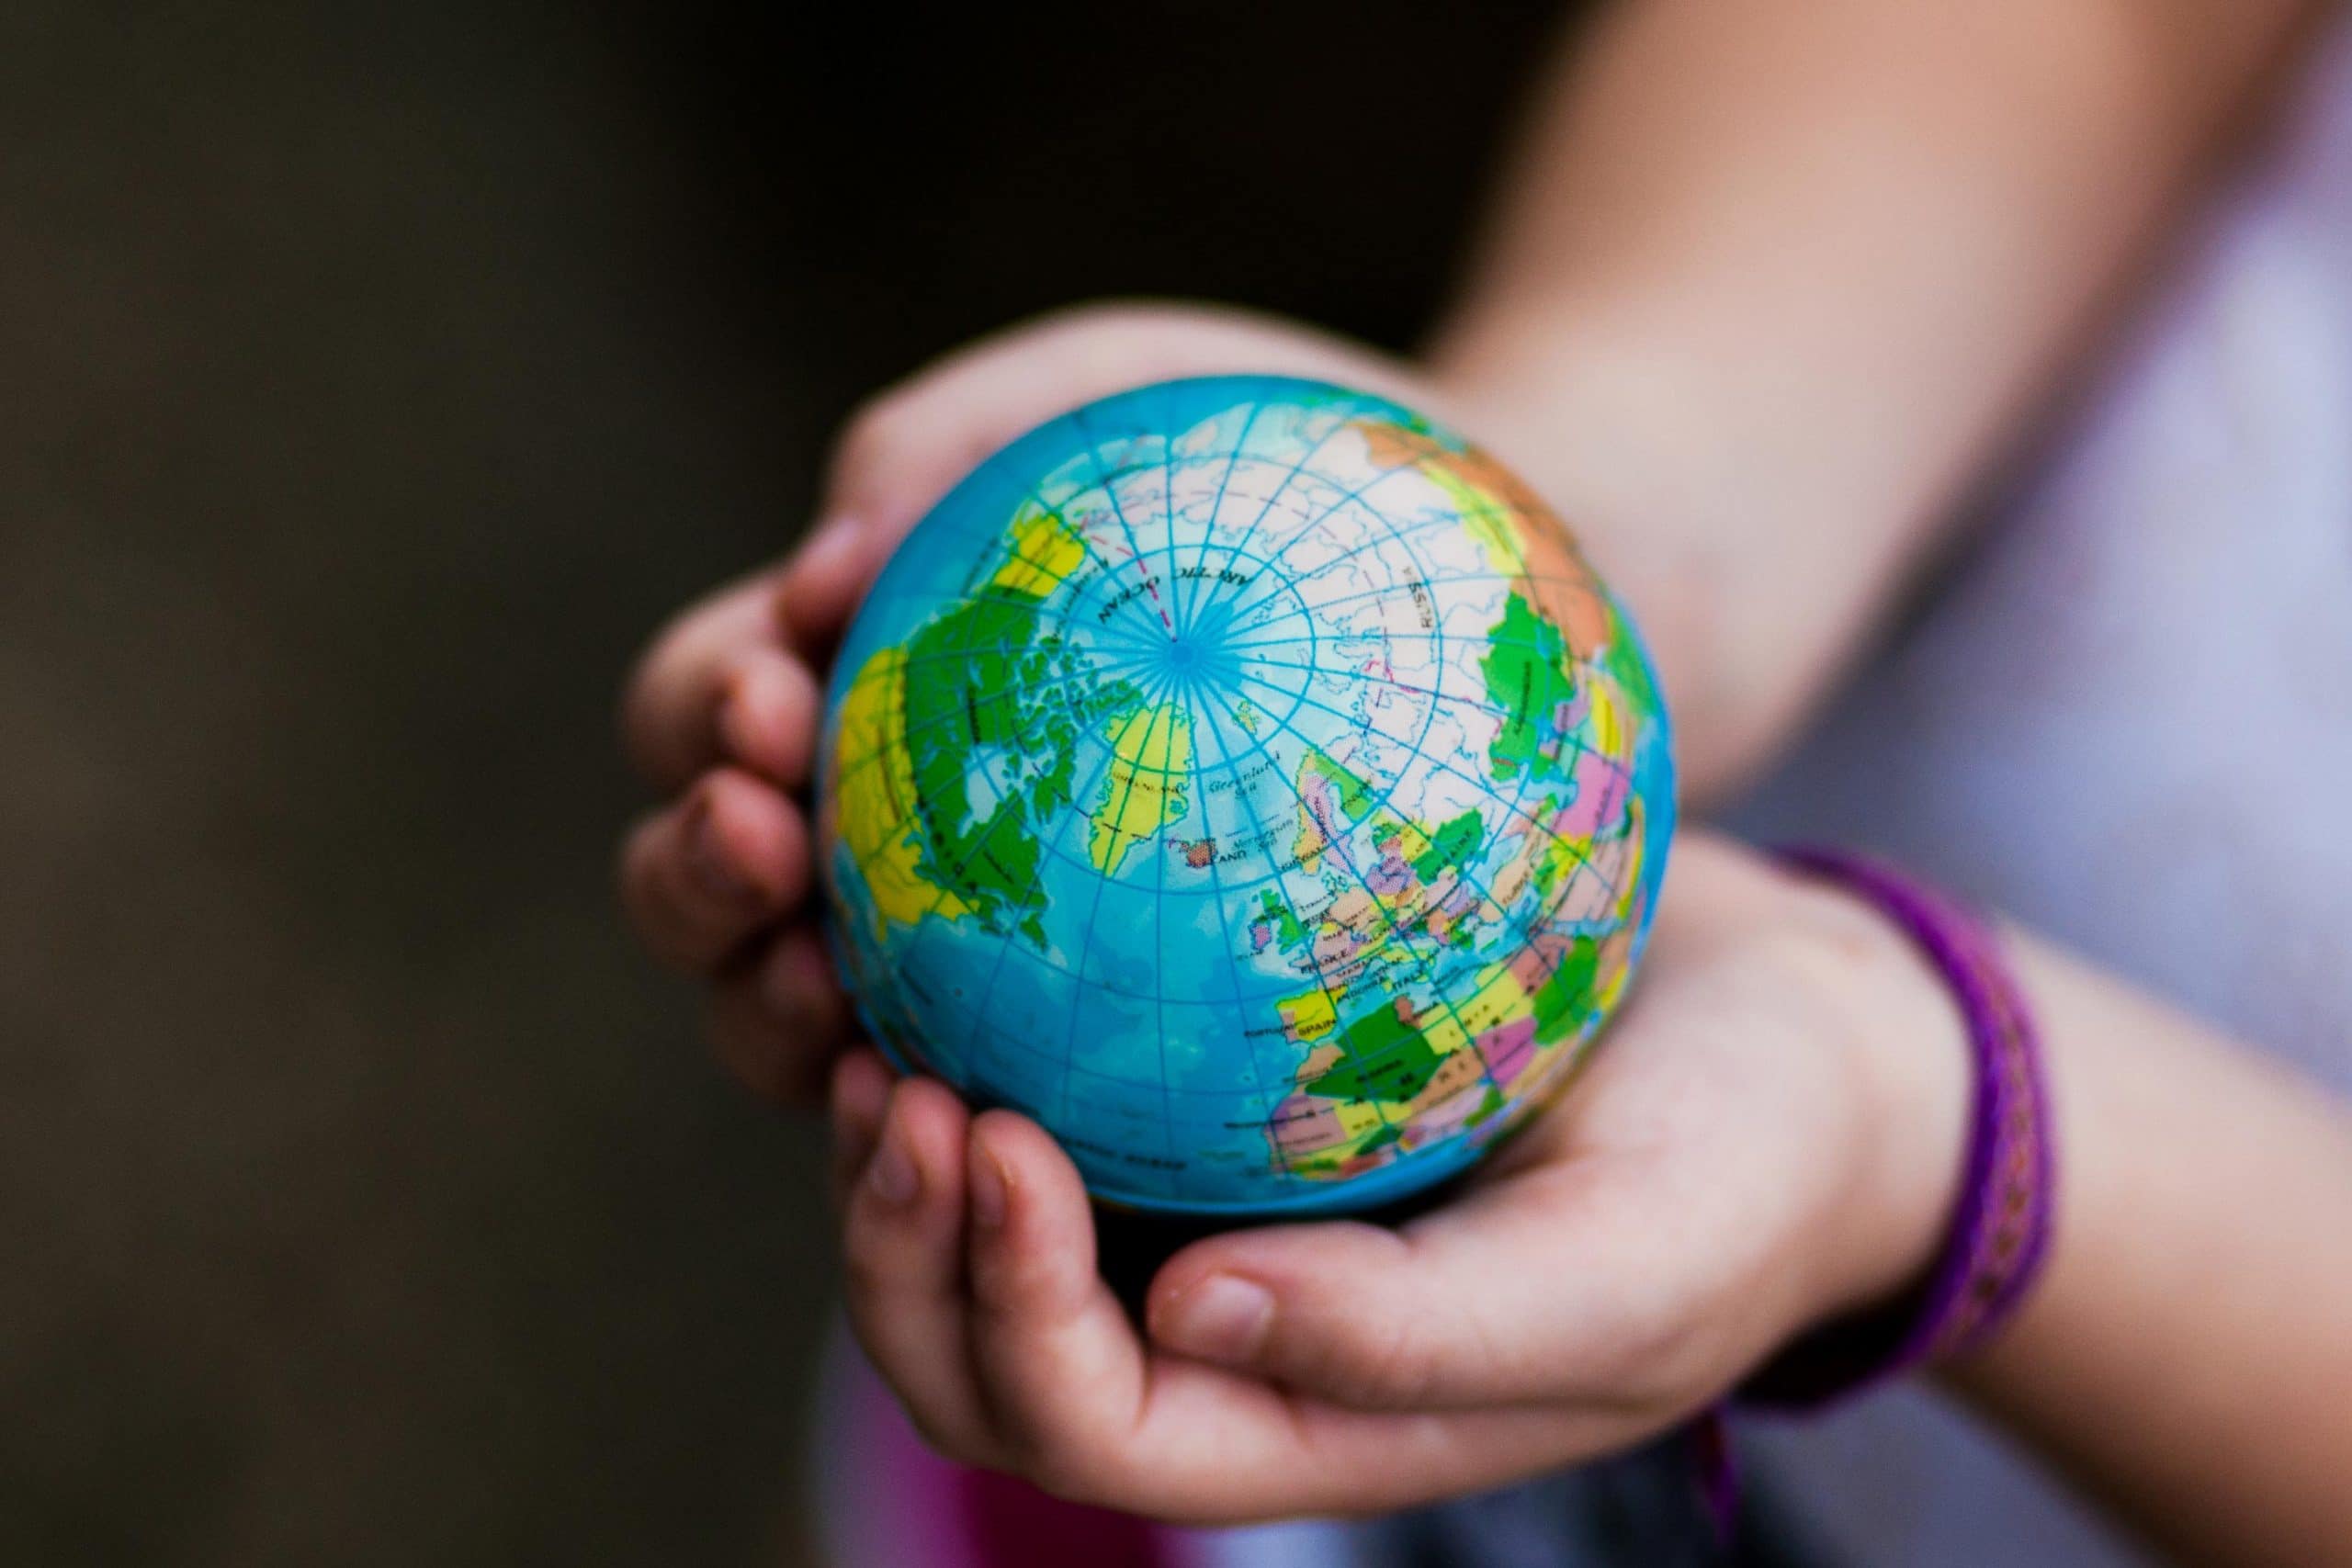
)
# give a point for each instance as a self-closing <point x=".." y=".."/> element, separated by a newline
<point x="1903" y="1040"/>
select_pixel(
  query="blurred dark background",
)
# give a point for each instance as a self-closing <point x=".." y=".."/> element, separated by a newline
<point x="372" y="379"/>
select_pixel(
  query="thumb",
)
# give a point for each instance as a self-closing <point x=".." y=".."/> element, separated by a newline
<point x="1525" y="1291"/>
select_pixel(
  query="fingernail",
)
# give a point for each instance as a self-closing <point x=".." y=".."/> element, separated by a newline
<point x="991" y="1191"/>
<point x="705" y="856"/>
<point x="892" y="1173"/>
<point x="1223" y="1318"/>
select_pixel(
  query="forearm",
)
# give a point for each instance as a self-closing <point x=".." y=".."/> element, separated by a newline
<point x="2188" y="1355"/>
<point x="1771" y="280"/>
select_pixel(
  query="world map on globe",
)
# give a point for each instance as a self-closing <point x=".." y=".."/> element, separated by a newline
<point x="1246" y="778"/>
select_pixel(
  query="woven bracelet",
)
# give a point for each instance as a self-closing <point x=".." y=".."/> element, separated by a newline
<point x="1999" y="1231"/>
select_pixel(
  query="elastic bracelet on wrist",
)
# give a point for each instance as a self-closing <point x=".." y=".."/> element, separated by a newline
<point x="1999" y="1230"/>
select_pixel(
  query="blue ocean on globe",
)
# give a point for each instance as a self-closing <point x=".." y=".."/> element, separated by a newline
<point x="1247" y="779"/>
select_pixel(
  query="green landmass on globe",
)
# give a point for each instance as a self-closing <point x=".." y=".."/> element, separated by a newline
<point x="1247" y="779"/>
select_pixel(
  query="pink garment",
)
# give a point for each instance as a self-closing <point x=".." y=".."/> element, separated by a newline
<point x="888" y="1502"/>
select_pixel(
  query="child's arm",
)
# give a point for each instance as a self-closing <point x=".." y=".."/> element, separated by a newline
<point x="1770" y="1138"/>
<point x="1772" y="283"/>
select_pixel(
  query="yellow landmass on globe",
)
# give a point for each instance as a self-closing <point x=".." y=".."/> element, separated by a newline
<point x="876" y="791"/>
<point x="1608" y="718"/>
<point x="1151" y="754"/>
<point x="1308" y="1017"/>
<point x="1045" y="552"/>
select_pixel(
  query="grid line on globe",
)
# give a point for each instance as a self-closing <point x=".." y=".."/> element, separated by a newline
<point x="1248" y="778"/>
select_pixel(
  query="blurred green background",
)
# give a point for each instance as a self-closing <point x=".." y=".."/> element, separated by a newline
<point x="372" y="379"/>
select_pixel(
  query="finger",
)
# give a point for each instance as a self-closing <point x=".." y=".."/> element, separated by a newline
<point x="859" y="1099"/>
<point x="767" y="715"/>
<point x="1077" y="1403"/>
<point x="723" y="652"/>
<point x="1061" y="1370"/>
<point x="824" y="581"/>
<point x="903" y="1252"/>
<point x="701" y="876"/>
<point x="779" y="1018"/>
<point x="1073" y="1404"/>
<point x="1543" y="1286"/>
<point x="1257" y="1454"/>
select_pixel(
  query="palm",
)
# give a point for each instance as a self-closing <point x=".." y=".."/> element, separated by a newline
<point x="1615" y="1268"/>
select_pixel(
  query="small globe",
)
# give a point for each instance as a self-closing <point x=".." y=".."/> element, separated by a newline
<point x="1247" y="779"/>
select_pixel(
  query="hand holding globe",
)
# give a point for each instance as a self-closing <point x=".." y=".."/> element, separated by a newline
<point x="1691" y="1206"/>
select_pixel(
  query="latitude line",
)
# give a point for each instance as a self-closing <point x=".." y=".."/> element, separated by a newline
<point x="1405" y="544"/>
<point x="1311" y="525"/>
<point x="1452" y="580"/>
<point x="1418" y="960"/>
<point x="1582" y="667"/>
<point x="1448" y="768"/>
<point x="1447" y="515"/>
<point x="1540" y="916"/>
<point x="1439" y="518"/>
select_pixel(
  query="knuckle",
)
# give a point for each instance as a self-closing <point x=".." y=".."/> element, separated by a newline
<point x="869" y="1271"/>
<point x="1379" y="1361"/>
<point x="1029" y="1435"/>
<point x="1076" y="1476"/>
<point x="660" y="696"/>
<point x="868" y="436"/>
<point x="1010" y="1291"/>
<point x="1060" y="1454"/>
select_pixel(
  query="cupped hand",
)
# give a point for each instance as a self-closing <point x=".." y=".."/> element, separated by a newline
<point x="1767" y="1135"/>
<point x="721" y="713"/>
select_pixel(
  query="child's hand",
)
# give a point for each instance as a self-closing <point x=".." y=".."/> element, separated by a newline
<point x="723" y="710"/>
<point x="1769" y="1137"/>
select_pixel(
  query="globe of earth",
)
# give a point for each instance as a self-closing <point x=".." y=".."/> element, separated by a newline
<point x="1246" y="778"/>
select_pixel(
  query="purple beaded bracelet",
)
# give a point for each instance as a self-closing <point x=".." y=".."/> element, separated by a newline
<point x="2000" y="1230"/>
